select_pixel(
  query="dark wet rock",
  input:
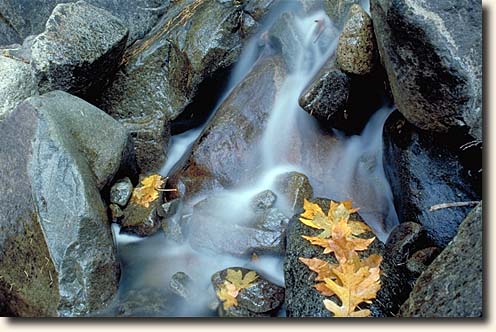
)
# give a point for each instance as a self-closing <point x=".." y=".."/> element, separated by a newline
<point x="261" y="299"/>
<point x="452" y="285"/>
<point x="424" y="169"/>
<point x="326" y="98"/>
<point x="421" y="259"/>
<point x="263" y="200"/>
<point x="434" y="66"/>
<point x="338" y="10"/>
<point x="357" y="49"/>
<point x="294" y="188"/>
<point x="396" y="280"/>
<point x="16" y="83"/>
<point x="143" y="302"/>
<point x="168" y="209"/>
<point x="181" y="285"/>
<point x="301" y="298"/>
<point x="257" y="8"/>
<point x="217" y="225"/>
<point x="121" y="192"/>
<point x="21" y="18"/>
<point x="163" y="72"/>
<point x="116" y="212"/>
<point x="56" y="250"/>
<point x="141" y="220"/>
<point x="224" y="153"/>
<point x="80" y="49"/>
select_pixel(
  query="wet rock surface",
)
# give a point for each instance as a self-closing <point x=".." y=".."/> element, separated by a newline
<point x="337" y="10"/>
<point x="452" y="285"/>
<point x="396" y="280"/>
<point x="261" y="299"/>
<point x="21" y="18"/>
<point x="301" y="298"/>
<point x="326" y="98"/>
<point x="263" y="200"/>
<point x="294" y="187"/>
<point x="357" y="49"/>
<point x="162" y="72"/>
<point x="181" y="285"/>
<point x="421" y="45"/>
<point x="422" y="173"/>
<point x="222" y="155"/>
<point x="79" y="50"/>
<point x="421" y="259"/>
<point x="56" y="246"/>
<point x="218" y="226"/>
<point x="141" y="220"/>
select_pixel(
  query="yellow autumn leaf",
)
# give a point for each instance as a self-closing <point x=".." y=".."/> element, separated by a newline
<point x="314" y="217"/>
<point x="354" y="284"/>
<point x="342" y="242"/>
<point x="233" y="284"/>
<point x="148" y="190"/>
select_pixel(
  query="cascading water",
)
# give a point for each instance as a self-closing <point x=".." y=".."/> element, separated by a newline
<point x="339" y="168"/>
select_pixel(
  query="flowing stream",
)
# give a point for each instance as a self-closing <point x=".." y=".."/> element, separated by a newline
<point x="338" y="166"/>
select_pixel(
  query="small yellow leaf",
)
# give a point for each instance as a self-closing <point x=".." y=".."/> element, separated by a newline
<point x="147" y="191"/>
<point x="233" y="284"/>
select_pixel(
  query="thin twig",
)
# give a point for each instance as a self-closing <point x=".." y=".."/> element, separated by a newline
<point x="450" y="205"/>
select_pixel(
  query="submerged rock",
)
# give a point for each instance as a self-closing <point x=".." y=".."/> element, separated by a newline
<point x="357" y="50"/>
<point x="219" y="227"/>
<point x="16" y="83"/>
<point x="452" y="285"/>
<point x="24" y="18"/>
<point x="57" y="256"/>
<point x="80" y="49"/>
<point x="261" y="299"/>
<point x="181" y="285"/>
<point x="224" y="153"/>
<point x="424" y="170"/>
<point x="434" y="66"/>
<point x="143" y="302"/>
<point x="263" y="200"/>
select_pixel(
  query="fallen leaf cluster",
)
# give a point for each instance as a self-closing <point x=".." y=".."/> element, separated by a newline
<point x="148" y="190"/>
<point x="233" y="284"/>
<point x="352" y="280"/>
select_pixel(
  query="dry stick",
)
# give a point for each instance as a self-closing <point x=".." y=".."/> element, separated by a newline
<point x="450" y="205"/>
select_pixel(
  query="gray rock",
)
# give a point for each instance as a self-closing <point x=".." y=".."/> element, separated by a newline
<point x="21" y="18"/>
<point x="422" y="45"/>
<point x="263" y="200"/>
<point x="294" y="187"/>
<point x="452" y="285"/>
<point x="215" y="228"/>
<point x="16" y="83"/>
<point x="116" y="213"/>
<point x="141" y="220"/>
<point x="423" y="170"/>
<point x="121" y="191"/>
<point x="181" y="285"/>
<point x="261" y="299"/>
<point x="222" y="156"/>
<point x="162" y="73"/>
<point x="421" y="259"/>
<point x="142" y="302"/>
<point x="301" y="298"/>
<point x="326" y="98"/>
<point x="357" y="49"/>
<point x="56" y="251"/>
<point x="337" y="10"/>
<point x="80" y="49"/>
